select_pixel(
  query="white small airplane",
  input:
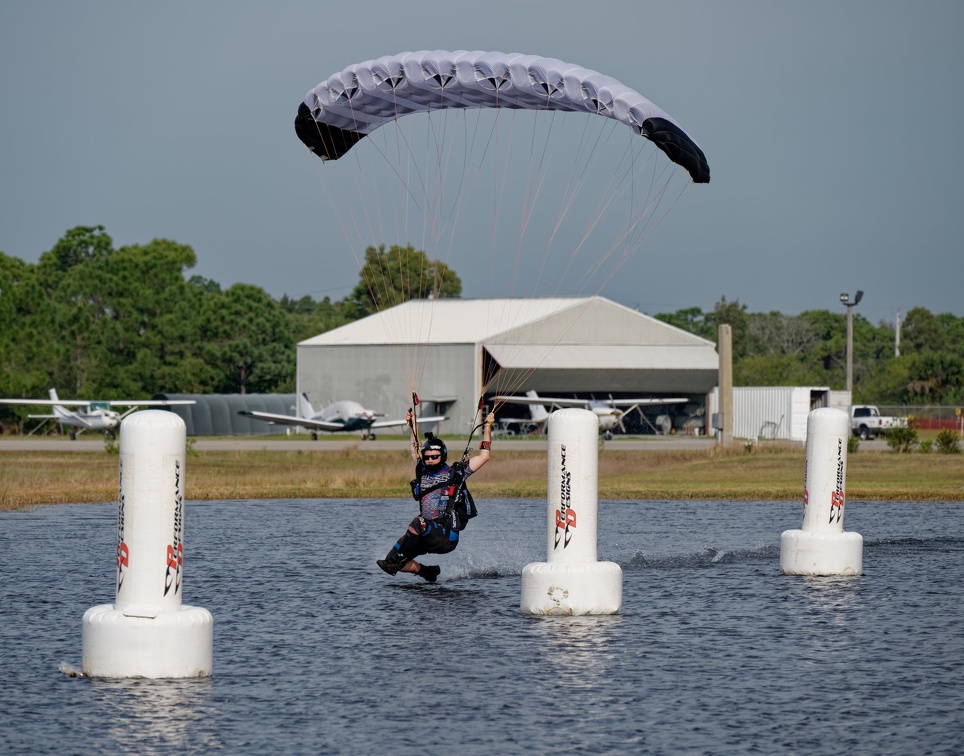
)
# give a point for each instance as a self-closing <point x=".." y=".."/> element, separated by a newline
<point x="609" y="412"/>
<point x="91" y="415"/>
<point x="338" y="417"/>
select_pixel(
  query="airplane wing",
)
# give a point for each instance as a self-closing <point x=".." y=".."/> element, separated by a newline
<point x="303" y="422"/>
<point x="397" y="423"/>
<point x="642" y="402"/>
<point x="148" y="403"/>
<point x="519" y="420"/>
<point x="542" y="400"/>
<point x="45" y="402"/>
<point x="86" y="403"/>
<point x="586" y="402"/>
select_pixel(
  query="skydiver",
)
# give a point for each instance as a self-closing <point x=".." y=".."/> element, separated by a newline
<point x="445" y="504"/>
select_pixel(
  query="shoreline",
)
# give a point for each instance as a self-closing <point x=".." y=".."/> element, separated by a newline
<point x="350" y="468"/>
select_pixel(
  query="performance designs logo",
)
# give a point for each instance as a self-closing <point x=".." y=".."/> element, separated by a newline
<point x="123" y="555"/>
<point x="175" y="550"/>
<point x="433" y="504"/>
<point x="837" y="497"/>
<point x="565" y="515"/>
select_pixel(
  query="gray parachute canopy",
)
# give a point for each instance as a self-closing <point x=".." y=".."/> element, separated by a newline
<point x="351" y="104"/>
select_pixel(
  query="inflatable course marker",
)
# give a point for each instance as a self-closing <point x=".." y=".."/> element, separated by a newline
<point x="571" y="581"/>
<point x="822" y="547"/>
<point x="147" y="632"/>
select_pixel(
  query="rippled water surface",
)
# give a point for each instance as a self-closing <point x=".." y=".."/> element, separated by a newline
<point x="317" y="651"/>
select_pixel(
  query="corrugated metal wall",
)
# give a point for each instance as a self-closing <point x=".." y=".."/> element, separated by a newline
<point x="217" y="414"/>
<point x="773" y="412"/>
<point x="378" y="378"/>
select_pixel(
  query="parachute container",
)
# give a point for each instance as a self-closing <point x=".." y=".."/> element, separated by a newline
<point x="822" y="547"/>
<point x="147" y="631"/>
<point x="571" y="581"/>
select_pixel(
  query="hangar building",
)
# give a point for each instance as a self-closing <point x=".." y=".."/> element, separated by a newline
<point x="451" y="348"/>
<point x="218" y="414"/>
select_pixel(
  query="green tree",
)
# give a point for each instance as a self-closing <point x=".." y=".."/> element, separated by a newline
<point x="79" y="245"/>
<point x="776" y="334"/>
<point x="123" y="319"/>
<point x="397" y="275"/>
<point x="734" y="314"/>
<point x="935" y="378"/>
<point x="248" y="339"/>
<point x="309" y="318"/>
<point x="25" y="342"/>
<point x="920" y="332"/>
<point x="156" y="312"/>
<point x="692" y="319"/>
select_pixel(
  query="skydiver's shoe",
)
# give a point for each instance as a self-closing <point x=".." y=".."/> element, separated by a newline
<point x="390" y="565"/>
<point x="430" y="572"/>
<point x="389" y="568"/>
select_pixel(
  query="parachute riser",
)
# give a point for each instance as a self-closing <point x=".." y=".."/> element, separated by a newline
<point x="468" y="444"/>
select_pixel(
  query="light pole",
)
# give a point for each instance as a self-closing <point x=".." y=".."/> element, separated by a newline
<point x="845" y="301"/>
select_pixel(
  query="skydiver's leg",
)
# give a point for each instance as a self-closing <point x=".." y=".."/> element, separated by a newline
<point x="422" y="537"/>
<point x="409" y="546"/>
<point x="434" y="540"/>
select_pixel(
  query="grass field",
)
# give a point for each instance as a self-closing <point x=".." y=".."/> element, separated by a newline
<point x="31" y="478"/>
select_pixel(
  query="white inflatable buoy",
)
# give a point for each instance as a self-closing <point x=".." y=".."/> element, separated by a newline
<point x="147" y="632"/>
<point x="571" y="581"/>
<point x="822" y="547"/>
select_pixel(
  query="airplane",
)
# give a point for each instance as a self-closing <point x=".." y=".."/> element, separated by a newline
<point x="342" y="416"/>
<point x="91" y="415"/>
<point x="609" y="413"/>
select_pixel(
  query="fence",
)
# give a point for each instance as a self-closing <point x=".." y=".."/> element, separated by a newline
<point x="929" y="416"/>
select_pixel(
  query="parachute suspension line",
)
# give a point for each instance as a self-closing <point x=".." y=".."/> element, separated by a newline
<point x="392" y="280"/>
<point x="639" y="216"/>
<point x="571" y="194"/>
<point x="381" y="295"/>
<point x="404" y="169"/>
<point x="609" y="198"/>
<point x="585" y="234"/>
<point x="636" y="228"/>
<point x="643" y="226"/>
<point x="535" y="178"/>
<point x="540" y="158"/>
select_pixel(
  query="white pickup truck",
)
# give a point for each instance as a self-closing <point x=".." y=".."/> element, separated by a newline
<point x="867" y="423"/>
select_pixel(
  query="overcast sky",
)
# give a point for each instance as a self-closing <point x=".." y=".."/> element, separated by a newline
<point x="831" y="130"/>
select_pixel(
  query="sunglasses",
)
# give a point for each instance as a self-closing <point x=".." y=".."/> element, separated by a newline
<point x="432" y="456"/>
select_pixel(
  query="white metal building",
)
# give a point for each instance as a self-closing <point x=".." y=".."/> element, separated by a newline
<point x="777" y="412"/>
<point x="453" y="347"/>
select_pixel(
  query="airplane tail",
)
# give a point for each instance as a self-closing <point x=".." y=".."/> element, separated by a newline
<point x="61" y="413"/>
<point x="307" y="410"/>
<point x="65" y="415"/>
<point x="538" y="412"/>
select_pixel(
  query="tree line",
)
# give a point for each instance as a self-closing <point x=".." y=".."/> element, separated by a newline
<point x="97" y="322"/>
<point x="810" y="349"/>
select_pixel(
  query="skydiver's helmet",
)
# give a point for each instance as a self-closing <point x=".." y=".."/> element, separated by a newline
<point x="434" y="443"/>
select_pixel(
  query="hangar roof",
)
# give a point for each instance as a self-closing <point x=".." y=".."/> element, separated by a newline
<point x="554" y="321"/>
<point x="443" y="321"/>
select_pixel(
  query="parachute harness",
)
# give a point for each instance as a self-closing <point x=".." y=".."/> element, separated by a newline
<point x="460" y="489"/>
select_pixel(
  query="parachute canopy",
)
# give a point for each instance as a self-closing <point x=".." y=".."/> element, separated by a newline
<point x="351" y="104"/>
